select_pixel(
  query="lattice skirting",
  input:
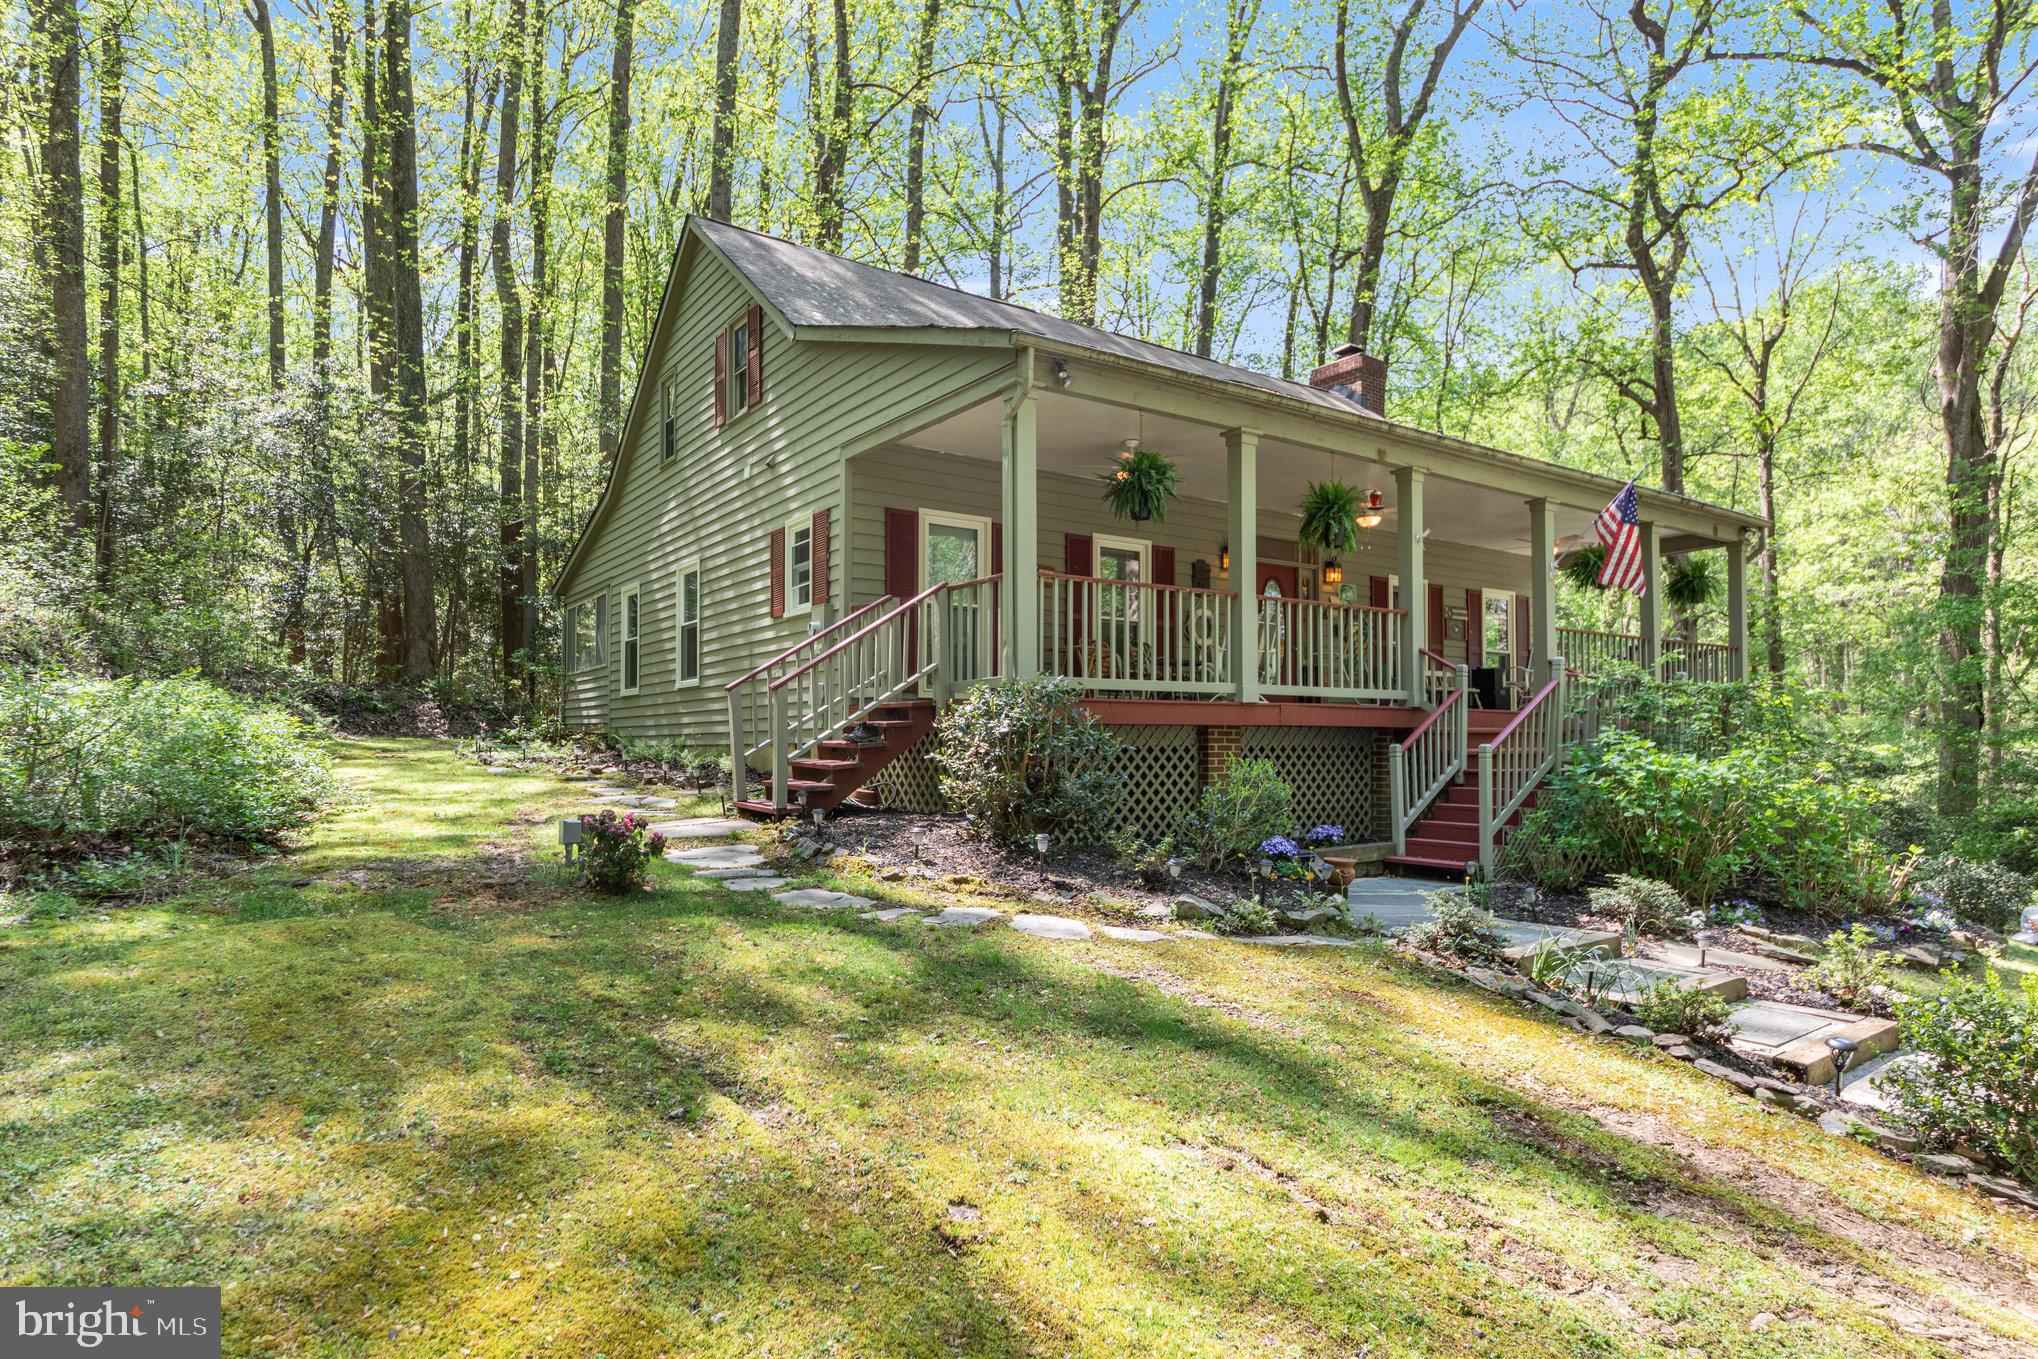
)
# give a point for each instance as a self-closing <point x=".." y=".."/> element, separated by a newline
<point x="1162" y="778"/>
<point x="1334" y="771"/>
<point x="911" y="783"/>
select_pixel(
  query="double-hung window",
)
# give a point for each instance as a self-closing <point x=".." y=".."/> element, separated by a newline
<point x="668" y="433"/>
<point x="799" y="565"/>
<point x="632" y="626"/>
<point x="687" y="624"/>
<point x="739" y="367"/>
<point x="586" y="634"/>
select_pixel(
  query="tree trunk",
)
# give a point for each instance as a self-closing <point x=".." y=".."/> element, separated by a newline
<point x="614" y="219"/>
<point x="994" y="247"/>
<point x="54" y="43"/>
<point x="1237" y="33"/>
<point x="538" y="358"/>
<point x="329" y="204"/>
<point x="831" y="161"/>
<point x="510" y="354"/>
<point x="111" y="78"/>
<point x="272" y="187"/>
<point x="916" y="133"/>
<point x="1772" y="594"/>
<point x="722" y="138"/>
<point x="420" y="610"/>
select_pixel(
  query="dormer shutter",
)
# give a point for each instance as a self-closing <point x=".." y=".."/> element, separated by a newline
<point x="754" y="360"/>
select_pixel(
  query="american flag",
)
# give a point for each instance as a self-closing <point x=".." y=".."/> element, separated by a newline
<point x="1619" y="528"/>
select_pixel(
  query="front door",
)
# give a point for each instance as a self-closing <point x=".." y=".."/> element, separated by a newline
<point x="955" y="548"/>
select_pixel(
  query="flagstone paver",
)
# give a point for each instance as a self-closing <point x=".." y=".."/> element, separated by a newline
<point x="1795" y="1036"/>
<point x="733" y="872"/>
<point x="820" y="899"/>
<point x="892" y="914"/>
<point x="702" y="828"/>
<point x="1127" y="935"/>
<point x="771" y="882"/>
<point x="1625" y="979"/>
<point x="966" y="916"/>
<point x="717" y="856"/>
<point x="1298" y="941"/>
<point x="1050" y="926"/>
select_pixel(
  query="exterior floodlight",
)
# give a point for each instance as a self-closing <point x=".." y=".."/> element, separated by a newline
<point x="1062" y="378"/>
<point x="1843" y="1050"/>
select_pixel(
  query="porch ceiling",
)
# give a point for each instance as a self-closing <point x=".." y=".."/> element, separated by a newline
<point x="1080" y="437"/>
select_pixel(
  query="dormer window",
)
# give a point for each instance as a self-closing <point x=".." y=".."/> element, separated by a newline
<point x="668" y="435"/>
<point x="739" y="364"/>
<point x="739" y="376"/>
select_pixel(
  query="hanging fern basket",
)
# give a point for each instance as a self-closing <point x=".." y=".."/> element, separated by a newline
<point x="1140" y="485"/>
<point x="1330" y="516"/>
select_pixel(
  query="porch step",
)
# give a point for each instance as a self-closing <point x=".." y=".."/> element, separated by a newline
<point x="839" y="768"/>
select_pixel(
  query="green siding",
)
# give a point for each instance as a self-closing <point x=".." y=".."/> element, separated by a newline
<point x="725" y="491"/>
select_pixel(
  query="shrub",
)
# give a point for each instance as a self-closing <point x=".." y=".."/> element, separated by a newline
<point x="616" y="852"/>
<point x="1459" y="929"/>
<point x="1976" y="1082"/>
<point x="1249" y="917"/>
<point x="1669" y="1008"/>
<point x="1648" y="906"/>
<point x="1247" y="806"/>
<point x="1978" y="891"/>
<point x="140" y="760"/>
<point x="1851" y="965"/>
<point x="1025" y="757"/>
<point x="1625" y="804"/>
<point x="1152" y="861"/>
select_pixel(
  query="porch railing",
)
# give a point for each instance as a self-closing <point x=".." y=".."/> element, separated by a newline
<point x="1516" y="760"/>
<point x="1439" y="676"/>
<point x="1428" y="760"/>
<point x="750" y="697"/>
<point x="1329" y="650"/>
<point x="965" y="627"/>
<point x="1594" y="653"/>
<point x="1700" y="662"/>
<point x="1136" y="637"/>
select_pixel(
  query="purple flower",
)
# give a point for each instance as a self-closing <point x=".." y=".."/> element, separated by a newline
<point x="1321" y="835"/>
<point x="1279" y="847"/>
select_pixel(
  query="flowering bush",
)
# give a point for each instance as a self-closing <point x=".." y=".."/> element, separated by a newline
<point x="1735" y="911"/>
<point x="1250" y="803"/>
<point x="615" y="850"/>
<point x="1985" y="893"/>
<point x="1976" y="1082"/>
<point x="1025" y="758"/>
<point x="1279" y="847"/>
<point x="1324" y="835"/>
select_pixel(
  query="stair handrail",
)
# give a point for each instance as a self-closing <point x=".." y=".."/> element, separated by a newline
<point x="1439" y="674"/>
<point x="1515" y="761"/>
<point x="748" y="694"/>
<point x="847" y="682"/>
<point x="1434" y="753"/>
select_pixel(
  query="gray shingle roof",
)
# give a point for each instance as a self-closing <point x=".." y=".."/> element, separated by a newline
<point x="811" y="287"/>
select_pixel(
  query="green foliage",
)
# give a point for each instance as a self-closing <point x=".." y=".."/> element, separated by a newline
<point x="1981" y="892"/>
<point x="140" y="760"/>
<point x="1457" y="928"/>
<point x="1251" y="917"/>
<point x="1330" y="517"/>
<point x="1706" y="719"/>
<point x="1669" y="1008"/>
<point x="1975" y="1081"/>
<point x="1025" y="757"/>
<point x="616" y="852"/>
<point x="1149" y="860"/>
<point x="1650" y="907"/>
<point x="1627" y="805"/>
<point x="1140" y="485"/>
<point x="1244" y="807"/>
<point x="1851" y="965"/>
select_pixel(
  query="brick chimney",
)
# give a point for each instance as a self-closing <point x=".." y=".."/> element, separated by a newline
<point x="1354" y="373"/>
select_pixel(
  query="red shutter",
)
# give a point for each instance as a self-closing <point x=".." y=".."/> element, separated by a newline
<point x="721" y="378"/>
<point x="1475" y="628"/>
<point x="1436" y="618"/>
<point x="1383" y="593"/>
<point x="820" y="559"/>
<point x="755" y="358"/>
<point x="778" y="573"/>
<point x="902" y="553"/>
<point x="1164" y="566"/>
<point x="997" y="549"/>
<point x="1079" y="557"/>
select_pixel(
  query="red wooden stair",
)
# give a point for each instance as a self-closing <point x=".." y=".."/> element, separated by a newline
<point x="1446" y="838"/>
<point x="839" y="766"/>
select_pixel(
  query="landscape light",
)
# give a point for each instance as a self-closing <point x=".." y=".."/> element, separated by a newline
<point x="1843" y="1050"/>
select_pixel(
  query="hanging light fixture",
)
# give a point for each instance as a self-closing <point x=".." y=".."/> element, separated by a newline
<point x="1370" y="514"/>
<point x="1224" y="556"/>
<point x="1334" y="574"/>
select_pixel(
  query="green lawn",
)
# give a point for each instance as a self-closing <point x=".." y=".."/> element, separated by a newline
<point x="405" y="1092"/>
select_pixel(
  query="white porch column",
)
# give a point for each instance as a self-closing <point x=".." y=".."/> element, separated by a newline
<point x="1542" y="586"/>
<point x="1242" y="472"/>
<point x="1020" y="593"/>
<point x="1737" y="608"/>
<point x="1652" y="600"/>
<point x="1414" y="586"/>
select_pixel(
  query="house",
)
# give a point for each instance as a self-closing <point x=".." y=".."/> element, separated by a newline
<point x="845" y="494"/>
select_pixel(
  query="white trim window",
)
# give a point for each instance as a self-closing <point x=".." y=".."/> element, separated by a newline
<point x="1126" y="559"/>
<point x="740" y="396"/>
<point x="799" y="565"/>
<point x="633" y="627"/>
<point x="586" y="634"/>
<point x="668" y="433"/>
<point x="686" y="624"/>
<point x="946" y="555"/>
